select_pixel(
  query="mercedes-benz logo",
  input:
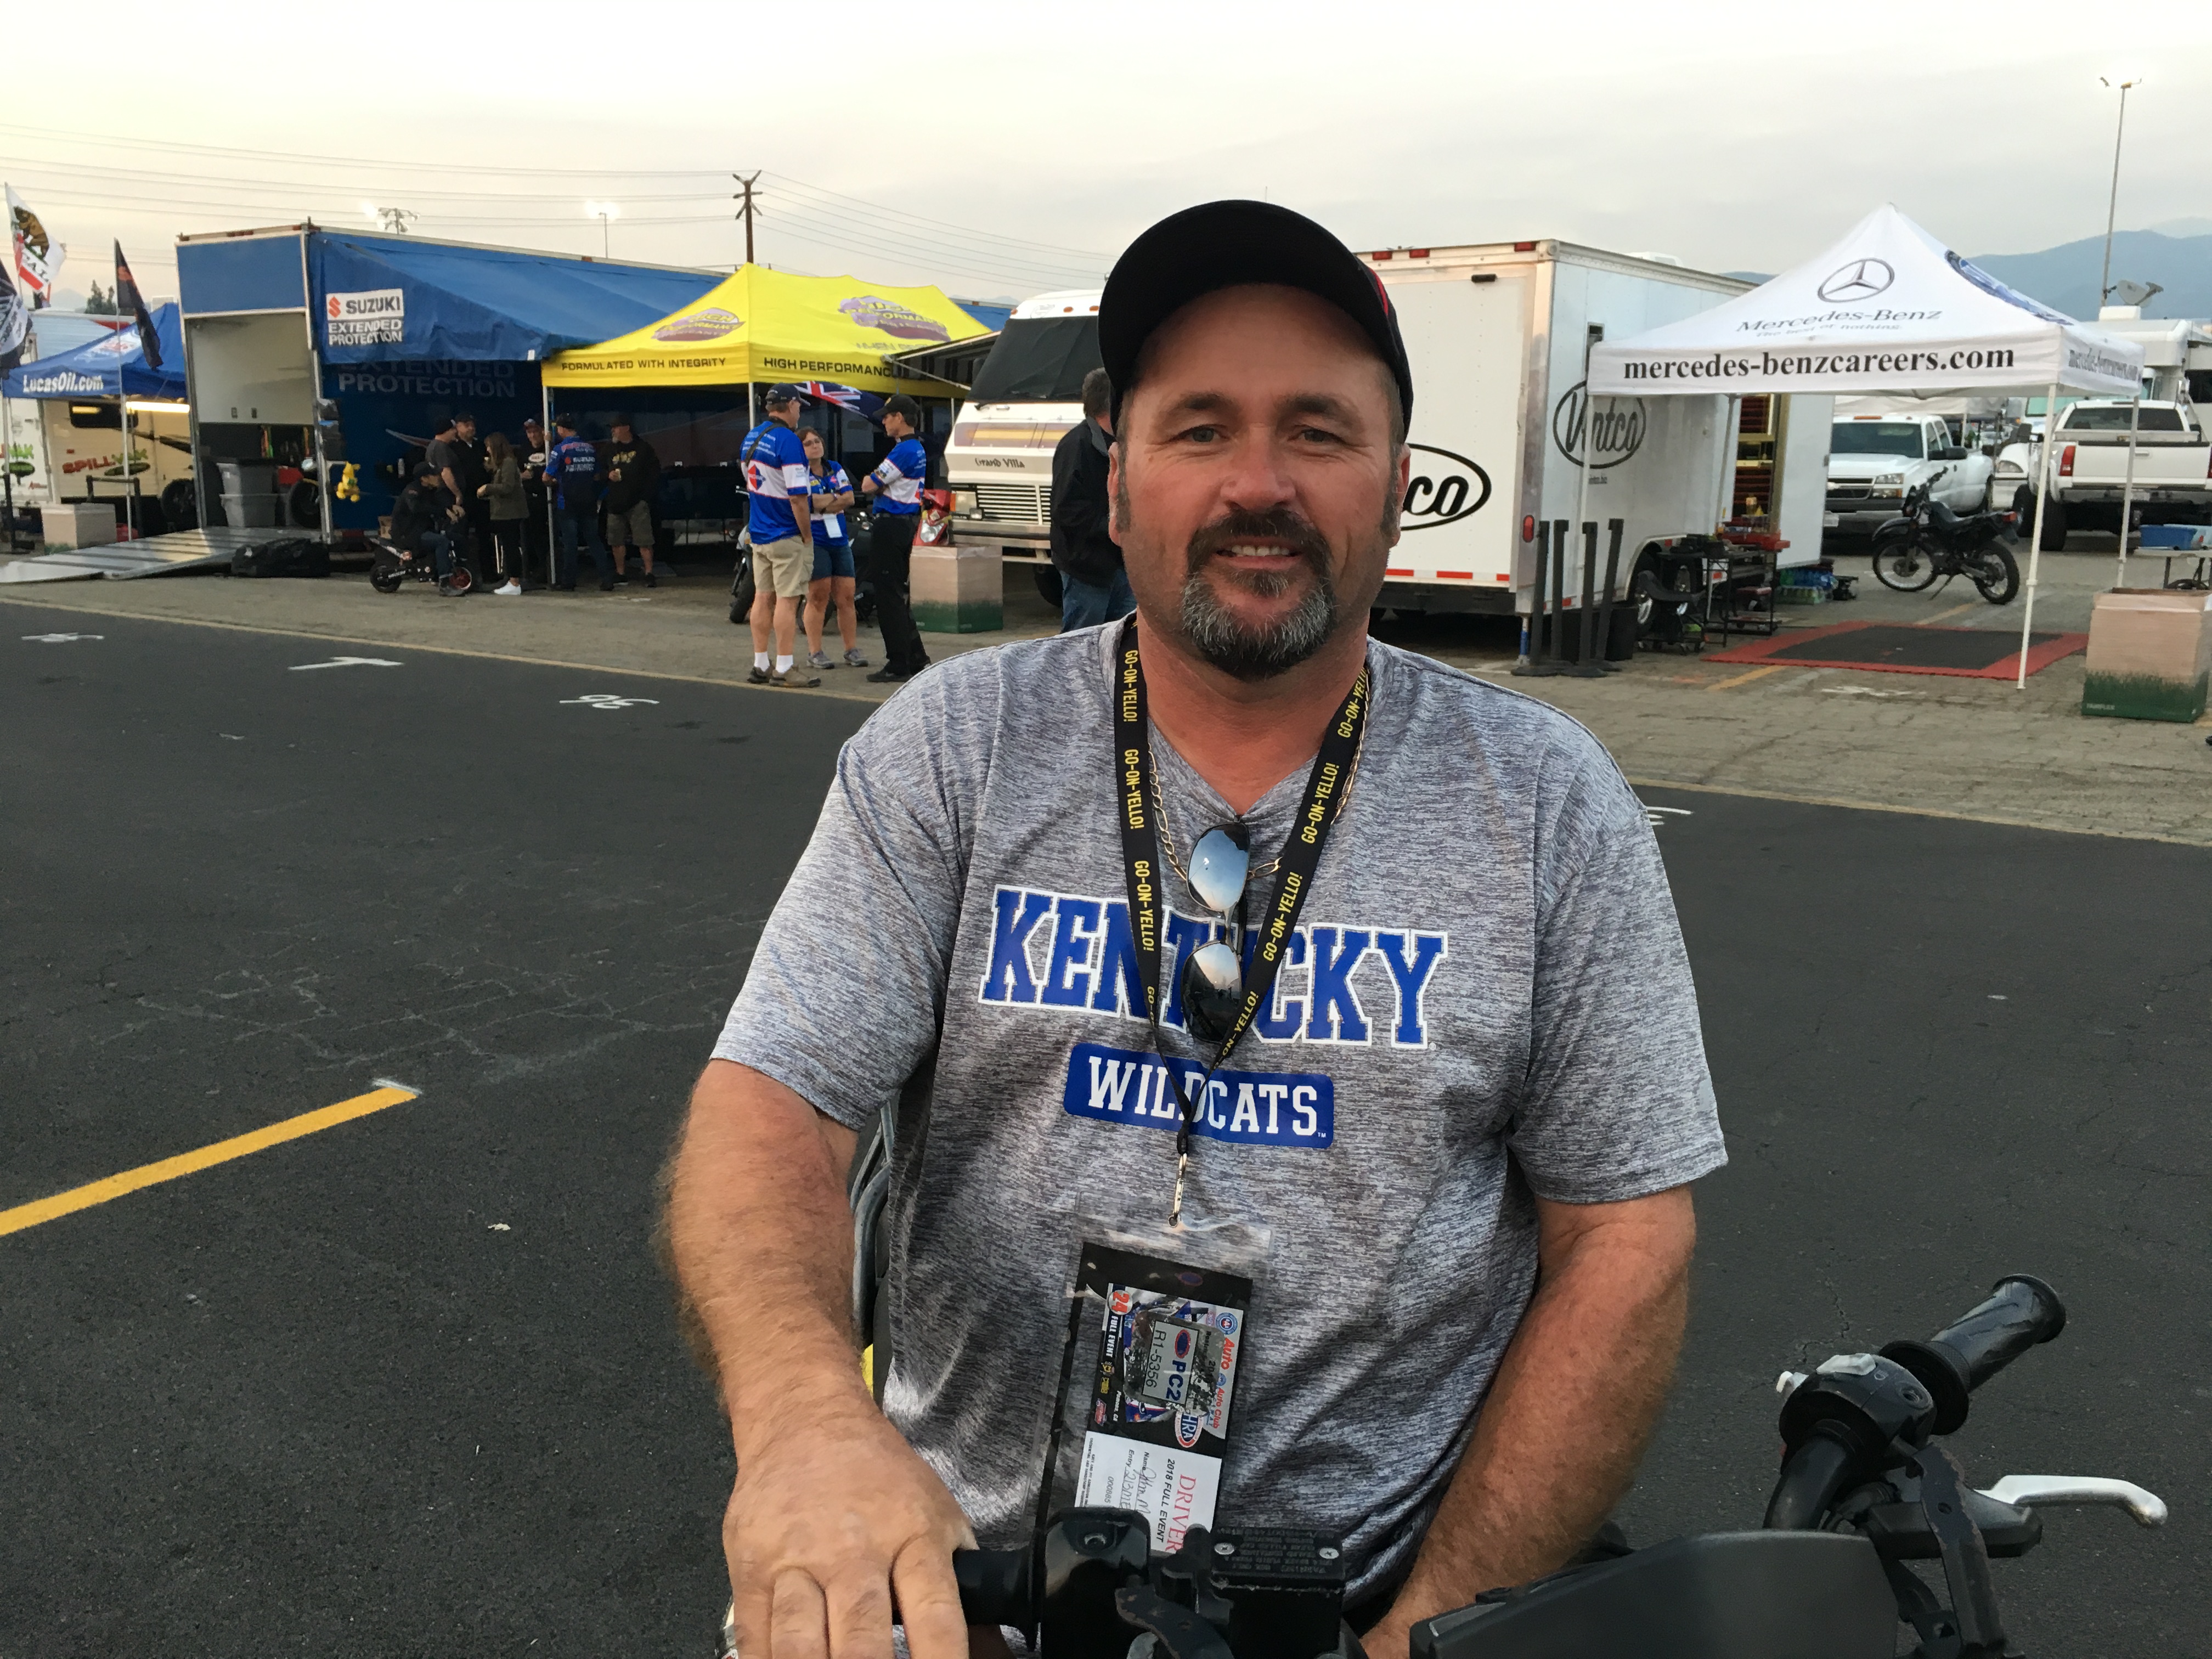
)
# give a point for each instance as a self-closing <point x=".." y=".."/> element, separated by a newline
<point x="1862" y="279"/>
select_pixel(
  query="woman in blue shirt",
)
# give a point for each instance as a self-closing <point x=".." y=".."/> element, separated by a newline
<point x="831" y="492"/>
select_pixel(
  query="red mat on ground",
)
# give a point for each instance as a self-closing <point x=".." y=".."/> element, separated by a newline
<point x="1977" y="653"/>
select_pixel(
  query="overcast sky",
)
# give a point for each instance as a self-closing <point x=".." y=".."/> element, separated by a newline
<point x="1001" y="148"/>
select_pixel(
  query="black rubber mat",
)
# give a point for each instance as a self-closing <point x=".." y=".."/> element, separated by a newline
<point x="1906" y="647"/>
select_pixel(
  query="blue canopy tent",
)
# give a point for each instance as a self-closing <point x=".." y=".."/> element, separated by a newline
<point x="113" y="366"/>
<point x="397" y="331"/>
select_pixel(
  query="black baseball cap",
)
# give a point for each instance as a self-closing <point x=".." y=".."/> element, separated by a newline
<point x="1225" y="244"/>
<point x="781" y="394"/>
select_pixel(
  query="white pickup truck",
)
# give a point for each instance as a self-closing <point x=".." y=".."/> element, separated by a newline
<point x="2172" y="469"/>
<point x="1874" y="459"/>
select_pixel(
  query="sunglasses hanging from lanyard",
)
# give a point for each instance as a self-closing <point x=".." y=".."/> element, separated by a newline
<point x="1220" y="997"/>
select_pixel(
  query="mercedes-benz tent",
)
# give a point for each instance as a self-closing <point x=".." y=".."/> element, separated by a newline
<point x="399" y="332"/>
<point x="1886" y="309"/>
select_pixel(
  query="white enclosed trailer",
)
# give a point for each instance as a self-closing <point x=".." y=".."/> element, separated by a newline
<point x="1498" y="335"/>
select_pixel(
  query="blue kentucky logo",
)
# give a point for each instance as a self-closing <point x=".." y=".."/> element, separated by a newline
<point x="1061" y="950"/>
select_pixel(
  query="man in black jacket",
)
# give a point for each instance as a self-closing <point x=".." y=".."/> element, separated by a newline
<point x="632" y="480"/>
<point x="423" y="520"/>
<point x="1093" y="587"/>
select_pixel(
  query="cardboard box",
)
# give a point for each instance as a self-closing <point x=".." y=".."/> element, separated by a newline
<point x="76" y="523"/>
<point x="2150" y="654"/>
<point x="958" y="590"/>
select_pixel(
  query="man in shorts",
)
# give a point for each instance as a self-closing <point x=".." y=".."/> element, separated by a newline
<point x="777" y="485"/>
<point x="632" y="480"/>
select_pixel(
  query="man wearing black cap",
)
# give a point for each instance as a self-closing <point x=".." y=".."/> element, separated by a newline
<point x="1445" y="1101"/>
<point x="782" y="532"/>
<point x="632" y="480"/>
<point x="895" y="486"/>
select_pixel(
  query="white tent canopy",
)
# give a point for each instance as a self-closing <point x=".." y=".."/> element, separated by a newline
<point x="1886" y="309"/>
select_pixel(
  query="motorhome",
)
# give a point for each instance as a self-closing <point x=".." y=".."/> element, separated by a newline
<point x="1027" y="394"/>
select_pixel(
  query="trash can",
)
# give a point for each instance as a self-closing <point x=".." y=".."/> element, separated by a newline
<point x="958" y="590"/>
<point x="247" y="477"/>
<point x="2150" y="654"/>
<point x="252" y="512"/>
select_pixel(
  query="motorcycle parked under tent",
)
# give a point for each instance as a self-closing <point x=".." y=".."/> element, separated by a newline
<point x="1886" y="309"/>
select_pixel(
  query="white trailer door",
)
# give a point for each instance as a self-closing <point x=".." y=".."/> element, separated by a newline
<point x="1467" y="343"/>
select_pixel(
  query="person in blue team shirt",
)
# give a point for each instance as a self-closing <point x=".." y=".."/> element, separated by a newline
<point x="781" y="527"/>
<point x="571" y="472"/>
<point x="896" y="486"/>
<point x="833" y="583"/>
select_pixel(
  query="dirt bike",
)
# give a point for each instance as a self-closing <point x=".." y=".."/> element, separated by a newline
<point x="1928" y="540"/>
<point x="1864" y="1491"/>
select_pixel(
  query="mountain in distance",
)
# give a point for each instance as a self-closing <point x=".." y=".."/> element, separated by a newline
<point x="2065" y="278"/>
<point x="2176" y="254"/>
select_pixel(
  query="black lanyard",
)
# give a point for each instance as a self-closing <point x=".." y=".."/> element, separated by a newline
<point x="1317" y="813"/>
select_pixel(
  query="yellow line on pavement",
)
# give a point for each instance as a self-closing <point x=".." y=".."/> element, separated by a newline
<point x="1927" y="621"/>
<point x="413" y="645"/>
<point x="185" y="1164"/>
<point x="1755" y="674"/>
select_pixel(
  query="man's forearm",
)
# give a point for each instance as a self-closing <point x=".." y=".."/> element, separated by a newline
<point x="762" y="1238"/>
<point x="1572" y="1408"/>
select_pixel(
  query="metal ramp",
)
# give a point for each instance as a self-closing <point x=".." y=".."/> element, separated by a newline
<point x="155" y="555"/>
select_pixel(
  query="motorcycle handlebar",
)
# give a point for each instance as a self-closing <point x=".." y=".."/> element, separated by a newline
<point x="2020" y="1314"/>
<point x="994" y="1586"/>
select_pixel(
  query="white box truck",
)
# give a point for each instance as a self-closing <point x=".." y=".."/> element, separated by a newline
<point x="1498" y="334"/>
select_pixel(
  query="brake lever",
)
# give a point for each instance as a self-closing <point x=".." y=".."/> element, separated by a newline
<point x="2148" y="1507"/>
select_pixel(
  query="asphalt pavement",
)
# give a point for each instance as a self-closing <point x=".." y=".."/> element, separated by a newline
<point x="411" y="1385"/>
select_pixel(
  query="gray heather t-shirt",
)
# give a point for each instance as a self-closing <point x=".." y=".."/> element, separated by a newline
<point x="1488" y="999"/>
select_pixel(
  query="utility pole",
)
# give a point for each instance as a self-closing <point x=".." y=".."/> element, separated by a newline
<point x="744" y="196"/>
<point x="2112" y="207"/>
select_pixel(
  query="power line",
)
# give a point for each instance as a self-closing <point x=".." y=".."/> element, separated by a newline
<point x="446" y="167"/>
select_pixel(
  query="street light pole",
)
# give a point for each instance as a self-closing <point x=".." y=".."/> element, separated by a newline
<point x="2112" y="207"/>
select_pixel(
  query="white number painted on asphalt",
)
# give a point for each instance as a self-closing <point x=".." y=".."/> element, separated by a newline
<point x="60" y="639"/>
<point x="608" y="700"/>
<point x="346" y="662"/>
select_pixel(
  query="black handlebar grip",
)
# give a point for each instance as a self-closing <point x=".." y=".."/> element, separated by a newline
<point x="2020" y="1313"/>
<point x="994" y="1586"/>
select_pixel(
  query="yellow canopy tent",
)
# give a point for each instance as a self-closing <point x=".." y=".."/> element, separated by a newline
<point x="765" y="324"/>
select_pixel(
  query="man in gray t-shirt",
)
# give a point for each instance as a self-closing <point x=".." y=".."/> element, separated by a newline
<point x="1464" y="1113"/>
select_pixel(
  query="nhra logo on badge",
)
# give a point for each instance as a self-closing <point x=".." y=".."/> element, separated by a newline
<point x="710" y="324"/>
<point x="1444" y="489"/>
<point x="893" y="319"/>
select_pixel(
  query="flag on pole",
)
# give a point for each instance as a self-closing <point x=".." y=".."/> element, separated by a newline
<point x="129" y="303"/>
<point x="845" y="396"/>
<point x="15" y="323"/>
<point x="37" y="259"/>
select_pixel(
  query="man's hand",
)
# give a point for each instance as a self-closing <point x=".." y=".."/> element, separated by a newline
<point x="833" y="1516"/>
<point x="826" y="1528"/>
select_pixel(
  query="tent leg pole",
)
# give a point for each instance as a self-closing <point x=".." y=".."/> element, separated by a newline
<point x="544" y="425"/>
<point x="1588" y="553"/>
<point x="2035" y="541"/>
<point x="2128" y="487"/>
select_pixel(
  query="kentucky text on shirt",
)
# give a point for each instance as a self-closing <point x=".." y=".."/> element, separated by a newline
<point x="1083" y="961"/>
